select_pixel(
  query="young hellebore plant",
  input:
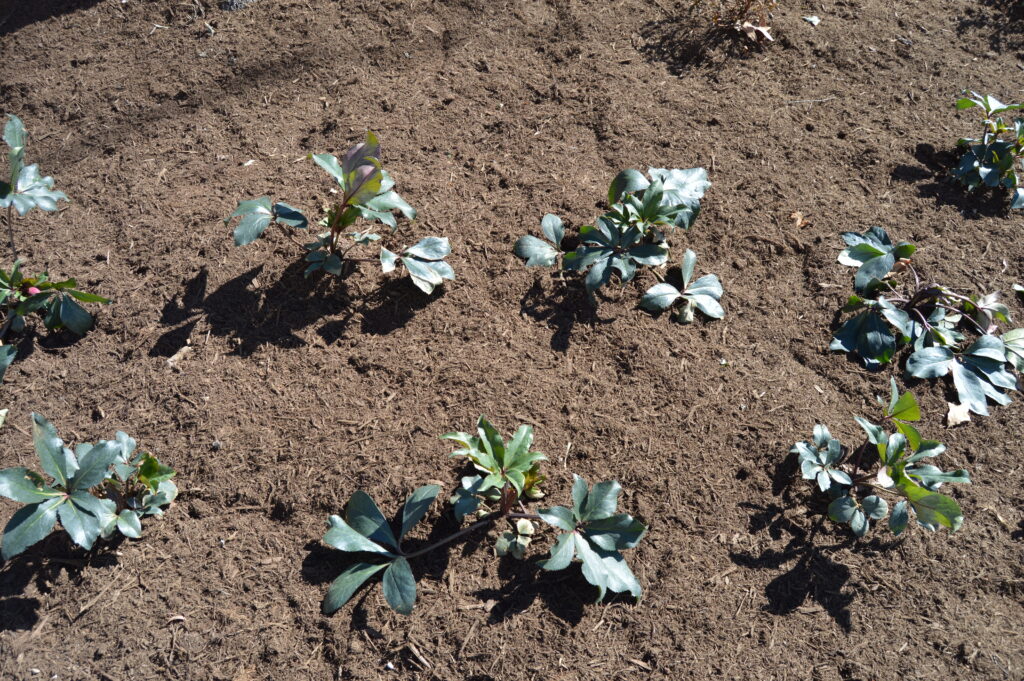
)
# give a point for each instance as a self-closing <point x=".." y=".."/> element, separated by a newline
<point x="994" y="160"/>
<point x="54" y="301"/>
<point x="95" y="491"/>
<point x="887" y="464"/>
<point x="592" y="531"/>
<point x="948" y="332"/>
<point x="631" y="234"/>
<point x="702" y="294"/>
<point x="367" y="193"/>
<point x="22" y="190"/>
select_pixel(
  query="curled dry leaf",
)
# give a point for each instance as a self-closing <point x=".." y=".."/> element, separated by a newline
<point x="755" y="32"/>
<point x="799" y="219"/>
<point x="957" y="414"/>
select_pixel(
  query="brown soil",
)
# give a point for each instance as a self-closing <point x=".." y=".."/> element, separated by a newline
<point x="492" y="114"/>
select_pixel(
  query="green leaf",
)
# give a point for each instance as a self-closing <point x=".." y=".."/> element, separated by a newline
<point x="911" y="433"/>
<point x="87" y="297"/>
<point x="424" y="277"/>
<point x="933" y="509"/>
<point x="681" y="186"/>
<point x="579" y="495"/>
<point x="686" y="268"/>
<point x="876" y="434"/>
<point x="81" y="525"/>
<point x="416" y="507"/>
<point x="536" y="252"/>
<point x="388" y="260"/>
<point x="290" y="216"/>
<point x="430" y="248"/>
<point x="344" y="538"/>
<point x="519" y="447"/>
<point x="706" y="304"/>
<point x="607" y="570"/>
<point x="649" y="254"/>
<point x="400" y="586"/>
<point x="128" y="524"/>
<point x="7" y="355"/>
<point x="34" y="191"/>
<point x="28" y="525"/>
<point x="465" y="501"/>
<point x="330" y="163"/>
<point x="558" y="516"/>
<point x="553" y="228"/>
<point x="615" y="533"/>
<point x="867" y="335"/>
<point x="600" y="274"/>
<point x="443" y="269"/>
<point x="900" y="518"/>
<point x="388" y="201"/>
<point x="659" y="297"/>
<point x="58" y="462"/>
<point x="152" y="472"/>
<point x="1013" y="341"/>
<point x="894" y="448"/>
<point x="875" y="507"/>
<point x="256" y="215"/>
<point x="905" y="408"/>
<point x="601" y="501"/>
<point x="842" y="509"/>
<point x="562" y="553"/>
<point x="363" y="516"/>
<point x="25" y="486"/>
<point x="970" y="388"/>
<point x="932" y="476"/>
<point x="347" y="583"/>
<point x="626" y="182"/>
<point x="930" y="362"/>
<point x="593" y="567"/>
<point x="94" y="465"/>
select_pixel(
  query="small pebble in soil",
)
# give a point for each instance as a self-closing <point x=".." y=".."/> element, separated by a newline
<point x="235" y="5"/>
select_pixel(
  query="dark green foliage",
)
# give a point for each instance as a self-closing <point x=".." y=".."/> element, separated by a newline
<point x="994" y="160"/>
<point x="947" y="332"/>
<point x="591" y="530"/>
<point x="633" y="233"/>
<point x="94" y="490"/>
<point x="24" y="188"/>
<point x="886" y="464"/>
<point x="367" y="193"/>
<point x="56" y="302"/>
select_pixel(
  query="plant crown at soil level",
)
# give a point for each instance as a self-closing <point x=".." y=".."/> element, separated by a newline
<point x="94" y="490"/>
<point x="507" y="478"/>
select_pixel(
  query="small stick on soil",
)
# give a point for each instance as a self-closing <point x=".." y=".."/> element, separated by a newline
<point x="811" y="101"/>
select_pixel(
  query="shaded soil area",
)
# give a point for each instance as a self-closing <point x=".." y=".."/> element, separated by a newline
<point x="298" y="392"/>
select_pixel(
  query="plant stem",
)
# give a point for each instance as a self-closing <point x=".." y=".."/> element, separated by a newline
<point x="10" y="230"/>
<point x="489" y="520"/>
<point x="450" y="538"/>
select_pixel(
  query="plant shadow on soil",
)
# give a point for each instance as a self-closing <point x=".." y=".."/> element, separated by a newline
<point x="689" y="39"/>
<point x="25" y="13"/>
<point x="273" y="315"/>
<point x="20" y="613"/>
<point x="1002" y="20"/>
<point x="935" y="182"/>
<point x="814" y="575"/>
<point x="523" y="581"/>
<point x="563" y="309"/>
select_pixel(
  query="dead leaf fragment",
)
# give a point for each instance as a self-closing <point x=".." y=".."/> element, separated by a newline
<point x="958" y="413"/>
<point x="755" y="32"/>
<point x="173" y="360"/>
<point x="799" y="219"/>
